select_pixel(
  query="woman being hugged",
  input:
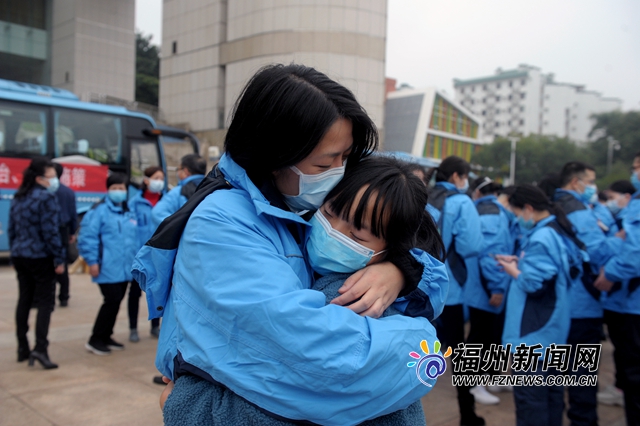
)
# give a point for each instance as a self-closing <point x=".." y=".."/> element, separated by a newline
<point x="37" y="254"/>
<point x="239" y="310"/>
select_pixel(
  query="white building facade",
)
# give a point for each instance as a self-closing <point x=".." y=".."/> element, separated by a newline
<point x="525" y="101"/>
<point x="211" y="48"/>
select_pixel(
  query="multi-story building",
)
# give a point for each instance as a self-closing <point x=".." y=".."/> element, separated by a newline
<point x="212" y="47"/>
<point x="427" y="123"/>
<point x="525" y="101"/>
<point x="85" y="46"/>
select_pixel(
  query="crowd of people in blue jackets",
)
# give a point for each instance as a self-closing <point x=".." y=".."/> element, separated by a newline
<point x="297" y="203"/>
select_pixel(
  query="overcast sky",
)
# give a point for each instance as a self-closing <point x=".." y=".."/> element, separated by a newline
<point x="431" y="42"/>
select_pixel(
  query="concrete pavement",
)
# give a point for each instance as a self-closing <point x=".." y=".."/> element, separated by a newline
<point x="118" y="389"/>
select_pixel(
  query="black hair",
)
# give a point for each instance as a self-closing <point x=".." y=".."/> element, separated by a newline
<point x="573" y="169"/>
<point x="623" y="187"/>
<point x="536" y="198"/>
<point x="194" y="163"/>
<point x="282" y="114"/>
<point x="486" y="185"/>
<point x="38" y="167"/>
<point x="637" y="155"/>
<point x="549" y="183"/>
<point x="449" y="166"/>
<point x="116" y="178"/>
<point x="415" y="167"/>
<point x="398" y="212"/>
<point x="148" y="172"/>
<point x="59" y="169"/>
<point x="602" y="197"/>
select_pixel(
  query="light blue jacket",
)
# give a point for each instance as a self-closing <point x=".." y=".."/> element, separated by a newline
<point x="599" y="247"/>
<point x="109" y="237"/>
<point x="498" y="238"/>
<point x="537" y="309"/>
<point x="459" y="220"/>
<point x="240" y="309"/>
<point x="606" y="221"/>
<point x="624" y="268"/>
<point x="172" y="201"/>
<point x="143" y="208"/>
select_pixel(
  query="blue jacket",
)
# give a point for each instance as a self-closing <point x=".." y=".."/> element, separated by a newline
<point x="109" y="237"/>
<point x="143" y="208"/>
<point x="34" y="226"/>
<point x="459" y="221"/>
<point x="241" y="310"/>
<point x="537" y="302"/>
<point x="624" y="268"/>
<point x="498" y="238"/>
<point x="599" y="247"/>
<point x="173" y="200"/>
<point x="68" y="213"/>
<point x="606" y="221"/>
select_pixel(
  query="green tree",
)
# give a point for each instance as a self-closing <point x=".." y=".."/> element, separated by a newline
<point x="147" y="70"/>
<point x="536" y="156"/>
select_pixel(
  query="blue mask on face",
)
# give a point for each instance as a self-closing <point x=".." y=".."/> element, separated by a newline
<point x="635" y="181"/>
<point x="613" y="207"/>
<point x="54" y="184"/>
<point x="330" y="251"/>
<point x="465" y="188"/>
<point x="589" y="192"/>
<point x="117" y="195"/>
<point x="526" y="224"/>
<point x="312" y="189"/>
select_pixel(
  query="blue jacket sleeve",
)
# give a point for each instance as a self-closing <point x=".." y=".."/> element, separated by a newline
<point x="168" y="205"/>
<point x="466" y="228"/>
<point x="89" y="238"/>
<point x="428" y="299"/>
<point x="496" y="240"/>
<point x="278" y="337"/>
<point x="537" y="265"/>
<point x="626" y="264"/>
<point x="50" y="228"/>
<point x="599" y="247"/>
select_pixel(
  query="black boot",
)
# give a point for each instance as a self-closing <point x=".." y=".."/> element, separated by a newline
<point x="43" y="358"/>
<point x="466" y="402"/>
<point x="23" y="354"/>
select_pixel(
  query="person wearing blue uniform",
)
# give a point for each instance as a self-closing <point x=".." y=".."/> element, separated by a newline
<point x="190" y="174"/>
<point x="619" y="195"/>
<point x="485" y="297"/>
<point x="459" y="225"/>
<point x="68" y="227"/>
<point x="239" y="311"/>
<point x="620" y="278"/>
<point x="142" y="202"/>
<point x="537" y="307"/>
<point x="108" y="242"/>
<point x="577" y="189"/>
<point x="606" y="219"/>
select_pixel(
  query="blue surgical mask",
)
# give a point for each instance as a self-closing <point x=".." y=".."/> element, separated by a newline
<point x="635" y="181"/>
<point x="312" y="189"/>
<point x="117" y="195"/>
<point x="526" y="224"/>
<point x="465" y="188"/>
<point x="589" y="192"/>
<point x="54" y="184"/>
<point x="613" y="207"/>
<point x="330" y="251"/>
<point x="156" y="186"/>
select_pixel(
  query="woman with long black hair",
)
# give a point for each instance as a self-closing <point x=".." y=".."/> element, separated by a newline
<point x="37" y="255"/>
<point x="537" y="309"/>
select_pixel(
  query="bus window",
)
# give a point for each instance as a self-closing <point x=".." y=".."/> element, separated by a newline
<point x="174" y="149"/>
<point x="22" y="129"/>
<point x="96" y="136"/>
<point x="143" y="154"/>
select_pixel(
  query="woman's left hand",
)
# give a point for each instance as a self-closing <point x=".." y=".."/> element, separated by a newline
<point x="165" y="393"/>
<point x="509" y="265"/>
<point x="377" y="286"/>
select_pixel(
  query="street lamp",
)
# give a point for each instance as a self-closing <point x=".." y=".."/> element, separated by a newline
<point x="512" y="162"/>
<point x="611" y="145"/>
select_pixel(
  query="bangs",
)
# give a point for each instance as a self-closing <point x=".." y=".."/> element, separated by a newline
<point x="373" y="208"/>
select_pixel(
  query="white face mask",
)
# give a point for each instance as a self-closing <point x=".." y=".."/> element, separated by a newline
<point x="313" y="189"/>
<point x="156" y="186"/>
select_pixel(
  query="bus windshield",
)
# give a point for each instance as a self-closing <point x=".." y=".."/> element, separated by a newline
<point x="22" y="129"/>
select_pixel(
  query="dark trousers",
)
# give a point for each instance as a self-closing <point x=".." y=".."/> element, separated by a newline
<point x="106" y="319"/>
<point x="63" y="278"/>
<point x="134" y="305"/>
<point x="583" y="403"/>
<point x="452" y="332"/>
<point x="539" y="405"/>
<point x="624" y="332"/>
<point x="486" y="328"/>
<point x="36" y="282"/>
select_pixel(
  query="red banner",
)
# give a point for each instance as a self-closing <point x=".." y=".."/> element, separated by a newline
<point x="78" y="177"/>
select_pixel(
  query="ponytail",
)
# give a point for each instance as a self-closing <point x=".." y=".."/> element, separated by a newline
<point x="536" y="198"/>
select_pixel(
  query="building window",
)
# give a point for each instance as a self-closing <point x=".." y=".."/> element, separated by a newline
<point x="484" y="100"/>
<point x="497" y="98"/>
<point x="521" y="109"/>
<point x="511" y="84"/>
<point x="523" y="82"/>
<point x="546" y="123"/>
<point x="497" y="85"/>
<point x="473" y="89"/>
<point x="522" y="122"/>
<point x="484" y="87"/>
<point x="462" y="90"/>
<point x="510" y="97"/>
<point x="497" y="124"/>
<point x="522" y="95"/>
<point x="174" y="47"/>
<point x="497" y="110"/>
<point x="484" y="112"/>
<point x="472" y="102"/>
<point x="546" y="110"/>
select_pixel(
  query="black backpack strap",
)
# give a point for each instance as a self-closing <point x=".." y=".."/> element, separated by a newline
<point x="168" y="234"/>
<point x="188" y="189"/>
<point x="487" y="207"/>
<point x="568" y="203"/>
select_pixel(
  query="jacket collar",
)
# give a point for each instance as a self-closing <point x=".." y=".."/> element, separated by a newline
<point x="561" y="191"/>
<point x="238" y="178"/>
<point x="447" y="185"/>
<point x="487" y="198"/>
